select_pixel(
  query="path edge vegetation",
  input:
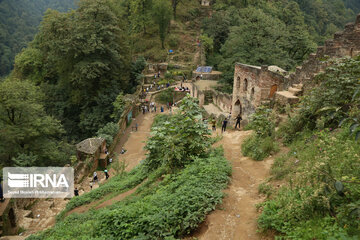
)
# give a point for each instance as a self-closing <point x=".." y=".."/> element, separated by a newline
<point x="314" y="189"/>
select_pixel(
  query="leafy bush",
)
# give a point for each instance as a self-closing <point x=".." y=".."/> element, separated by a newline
<point x="173" y="41"/>
<point x="259" y="148"/>
<point x="166" y="96"/>
<point x="262" y="122"/>
<point x="173" y="144"/>
<point x="108" y="132"/>
<point x="262" y="143"/>
<point x="323" y="192"/>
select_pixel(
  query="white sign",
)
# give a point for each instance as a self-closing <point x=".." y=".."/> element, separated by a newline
<point x="38" y="182"/>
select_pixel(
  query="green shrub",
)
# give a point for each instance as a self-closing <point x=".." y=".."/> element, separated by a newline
<point x="259" y="148"/>
<point x="108" y="132"/>
<point x="166" y="96"/>
<point x="323" y="192"/>
<point x="173" y="41"/>
<point x="265" y="189"/>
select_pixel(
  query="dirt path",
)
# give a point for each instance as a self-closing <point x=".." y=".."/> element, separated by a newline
<point x="236" y="217"/>
<point x="135" y="144"/>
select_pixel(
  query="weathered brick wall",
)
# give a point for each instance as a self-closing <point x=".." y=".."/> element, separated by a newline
<point x="345" y="43"/>
<point x="259" y="82"/>
<point x="222" y="100"/>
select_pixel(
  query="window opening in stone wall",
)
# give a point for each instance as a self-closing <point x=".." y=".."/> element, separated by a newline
<point x="245" y="85"/>
<point x="238" y="82"/>
<point x="252" y="93"/>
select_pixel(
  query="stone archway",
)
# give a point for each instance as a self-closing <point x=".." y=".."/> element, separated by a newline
<point x="237" y="108"/>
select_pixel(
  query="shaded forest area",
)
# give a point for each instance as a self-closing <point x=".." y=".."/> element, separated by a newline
<point x="19" y="21"/>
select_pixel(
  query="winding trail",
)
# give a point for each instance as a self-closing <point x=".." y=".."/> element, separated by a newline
<point x="235" y="218"/>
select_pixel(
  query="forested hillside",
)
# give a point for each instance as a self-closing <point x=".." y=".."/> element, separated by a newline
<point x="279" y="33"/>
<point x="19" y="21"/>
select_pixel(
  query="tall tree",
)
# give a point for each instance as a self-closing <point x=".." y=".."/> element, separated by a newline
<point x="174" y="4"/>
<point x="84" y="65"/>
<point x="19" y="22"/>
<point x="162" y="17"/>
<point x="26" y="131"/>
<point x="140" y="14"/>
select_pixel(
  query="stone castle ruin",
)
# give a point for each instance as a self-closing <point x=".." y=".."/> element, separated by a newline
<point x="255" y="85"/>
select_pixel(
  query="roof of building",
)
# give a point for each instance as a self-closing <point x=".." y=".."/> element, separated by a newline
<point x="246" y="65"/>
<point x="90" y="145"/>
<point x="204" y="69"/>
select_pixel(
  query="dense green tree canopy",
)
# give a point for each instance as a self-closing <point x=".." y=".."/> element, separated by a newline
<point x="19" y="20"/>
<point x="27" y="134"/>
<point x="81" y="61"/>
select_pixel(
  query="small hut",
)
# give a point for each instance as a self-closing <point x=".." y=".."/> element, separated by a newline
<point x="93" y="148"/>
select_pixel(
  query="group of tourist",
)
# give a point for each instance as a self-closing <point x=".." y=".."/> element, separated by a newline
<point x="150" y="108"/>
<point x="225" y="123"/>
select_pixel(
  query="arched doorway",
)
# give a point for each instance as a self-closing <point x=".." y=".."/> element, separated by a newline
<point x="237" y="108"/>
<point x="273" y="90"/>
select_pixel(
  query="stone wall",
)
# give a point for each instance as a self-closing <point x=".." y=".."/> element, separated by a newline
<point x="214" y="75"/>
<point x="344" y="44"/>
<point x="222" y="100"/>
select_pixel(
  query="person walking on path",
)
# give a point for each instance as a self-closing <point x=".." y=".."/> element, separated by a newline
<point x="91" y="185"/>
<point x="223" y="128"/>
<point x="2" y="199"/>
<point x="238" y="119"/>
<point x="213" y="123"/>
<point x="95" y="177"/>
<point x="106" y="174"/>
<point x="76" y="192"/>
<point x="162" y="109"/>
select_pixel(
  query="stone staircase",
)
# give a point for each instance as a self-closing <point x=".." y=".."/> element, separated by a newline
<point x="291" y="96"/>
<point x="344" y="44"/>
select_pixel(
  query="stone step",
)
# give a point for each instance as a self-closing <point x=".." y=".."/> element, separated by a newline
<point x="295" y="91"/>
<point x="298" y="86"/>
<point x="285" y="97"/>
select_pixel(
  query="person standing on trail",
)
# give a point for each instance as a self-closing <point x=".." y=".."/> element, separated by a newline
<point x="238" y="119"/>
<point x="162" y="109"/>
<point x="143" y="109"/>
<point x="76" y="192"/>
<point x="1" y="193"/>
<point x="155" y="108"/>
<point x="106" y="174"/>
<point x="91" y="185"/>
<point x="159" y="74"/>
<point x="95" y="177"/>
<point x="213" y="123"/>
<point x="223" y="127"/>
